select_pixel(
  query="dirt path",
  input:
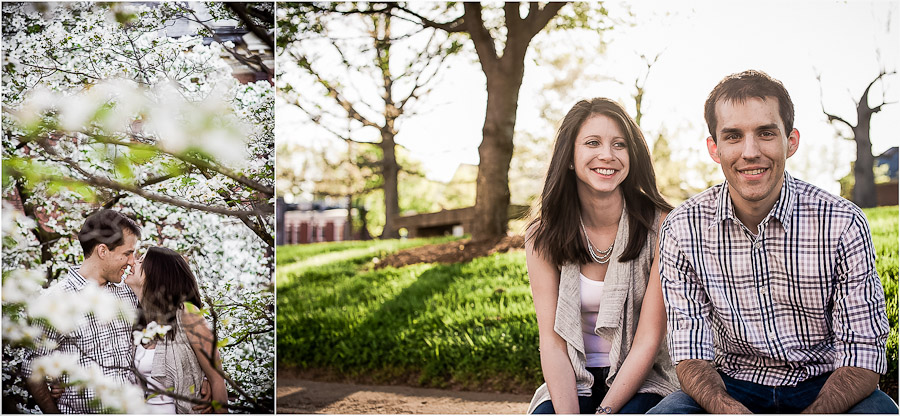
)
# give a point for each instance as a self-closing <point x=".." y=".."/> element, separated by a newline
<point x="303" y="396"/>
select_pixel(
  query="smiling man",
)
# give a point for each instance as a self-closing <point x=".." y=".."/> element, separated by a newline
<point x="773" y="301"/>
<point x="109" y="240"/>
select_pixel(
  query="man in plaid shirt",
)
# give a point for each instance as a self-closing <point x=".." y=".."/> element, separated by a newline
<point x="109" y="240"/>
<point x="773" y="301"/>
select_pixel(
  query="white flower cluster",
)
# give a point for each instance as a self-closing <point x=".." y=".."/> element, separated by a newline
<point x="66" y="311"/>
<point x="22" y="285"/>
<point x="179" y="125"/>
<point x="150" y="332"/>
<point x="125" y="398"/>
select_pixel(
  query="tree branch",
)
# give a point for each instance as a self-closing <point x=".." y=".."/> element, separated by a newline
<point x="537" y="21"/>
<point x="481" y="37"/>
<point x="240" y="9"/>
<point x="457" y="25"/>
<point x="192" y="160"/>
<point x="831" y="117"/>
<point x="256" y="226"/>
<point x="256" y="59"/>
<point x="95" y="180"/>
<point x="304" y="63"/>
<point x="149" y="182"/>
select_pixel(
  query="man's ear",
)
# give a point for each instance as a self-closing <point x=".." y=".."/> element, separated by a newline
<point x="713" y="148"/>
<point x="793" y="142"/>
<point x="102" y="250"/>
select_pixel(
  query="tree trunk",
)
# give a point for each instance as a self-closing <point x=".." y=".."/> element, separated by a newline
<point x="348" y="230"/>
<point x="864" y="194"/>
<point x="496" y="149"/>
<point x="390" y="168"/>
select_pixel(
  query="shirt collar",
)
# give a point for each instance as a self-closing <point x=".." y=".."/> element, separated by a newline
<point x="78" y="281"/>
<point x="780" y="211"/>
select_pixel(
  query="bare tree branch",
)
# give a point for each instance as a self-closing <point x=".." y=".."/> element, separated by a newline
<point x="831" y="117"/>
<point x="457" y="25"/>
<point x="537" y="21"/>
<point x="334" y="93"/>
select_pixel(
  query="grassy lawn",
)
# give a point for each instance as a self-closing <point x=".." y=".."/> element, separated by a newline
<point x="468" y="325"/>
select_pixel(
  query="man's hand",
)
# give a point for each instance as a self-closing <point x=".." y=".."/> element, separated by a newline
<point x="38" y="389"/>
<point x="206" y="396"/>
<point x="56" y="391"/>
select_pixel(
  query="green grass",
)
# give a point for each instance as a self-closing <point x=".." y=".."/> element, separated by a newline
<point x="305" y="252"/>
<point x="883" y="222"/>
<point x="468" y="325"/>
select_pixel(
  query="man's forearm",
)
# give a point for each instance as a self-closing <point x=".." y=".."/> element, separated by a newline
<point x="41" y="394"/>
<point x="846" y="387"/>
<point x="700" y="380"/>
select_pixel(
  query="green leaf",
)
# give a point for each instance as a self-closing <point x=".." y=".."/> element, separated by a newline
<point x="141" y="155"/>
<point x="123" y="168"/>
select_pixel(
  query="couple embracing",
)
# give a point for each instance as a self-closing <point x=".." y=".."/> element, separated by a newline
<point x="764" y="286"/>
<point x="180" y="370"/>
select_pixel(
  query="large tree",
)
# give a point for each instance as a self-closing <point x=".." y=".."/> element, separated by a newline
<point x="502" y="60"/>
<point x="864" y="193"/>
<point x="335" y="49"/>
<point x="501" y="39"/>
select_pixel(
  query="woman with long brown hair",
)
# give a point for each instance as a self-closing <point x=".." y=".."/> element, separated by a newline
<point x="592" y="258"/>
<point x="178" y="360"/>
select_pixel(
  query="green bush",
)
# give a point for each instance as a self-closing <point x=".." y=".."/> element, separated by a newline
<point x="469" y="325"/>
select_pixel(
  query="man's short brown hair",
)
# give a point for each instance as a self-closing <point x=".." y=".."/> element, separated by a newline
<point x="749" y="84"/>
<point x="106" y="227"/>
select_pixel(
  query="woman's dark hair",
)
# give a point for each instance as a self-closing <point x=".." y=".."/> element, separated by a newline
<point x="168" y="283"/>
<point x="555" y="228"/>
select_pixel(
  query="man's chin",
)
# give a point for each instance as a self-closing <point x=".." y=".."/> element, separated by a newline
<point x="118" y="279"/>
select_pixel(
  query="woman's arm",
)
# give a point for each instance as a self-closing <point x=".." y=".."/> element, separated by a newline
<point x="201" y="338"/>
<point x="649" y="334"/>
<point x="555" y="363"/>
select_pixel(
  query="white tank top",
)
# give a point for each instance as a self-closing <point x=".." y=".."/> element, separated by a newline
<point x="143" y="360"/>
<point x="596" y="348"/>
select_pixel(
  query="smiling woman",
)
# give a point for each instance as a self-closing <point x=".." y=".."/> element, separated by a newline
<point x="591" y="257"/>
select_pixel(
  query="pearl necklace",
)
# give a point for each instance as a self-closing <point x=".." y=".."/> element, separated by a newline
<point x="599" y="256"/>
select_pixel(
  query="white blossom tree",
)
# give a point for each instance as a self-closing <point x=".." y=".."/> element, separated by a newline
<point x="102" y="109"/>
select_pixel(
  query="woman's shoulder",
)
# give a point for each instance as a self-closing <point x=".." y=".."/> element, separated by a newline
<point x="659" y="216"/>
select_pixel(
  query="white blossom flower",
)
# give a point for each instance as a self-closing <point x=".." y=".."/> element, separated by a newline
<point x="151" y="331"/>
<point x="61" y="309"/>
<point x="22" y="285"/>
<point x="54" y="365"/>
